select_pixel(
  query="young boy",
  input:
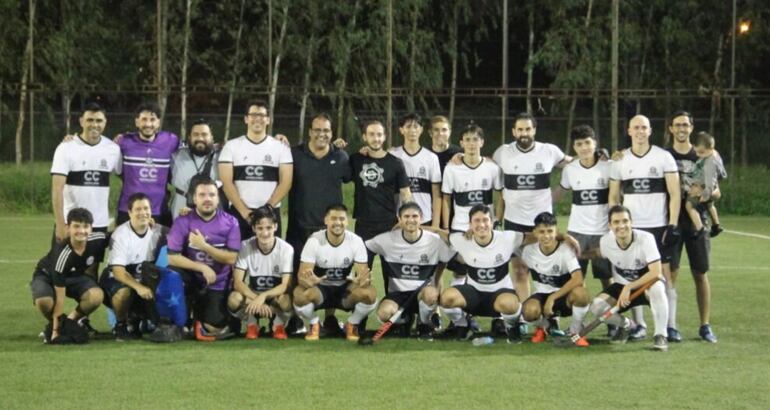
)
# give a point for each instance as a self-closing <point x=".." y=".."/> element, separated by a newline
<point x="705" y="186"/>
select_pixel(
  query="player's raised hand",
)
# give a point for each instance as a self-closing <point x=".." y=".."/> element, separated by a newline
<point x="68" y="138"/>
<point x="60" y="232"/>
<point x="307" y="279"/>
<point x="184" y="211"/>
<point x="340" y="143"/>
<point x="282" y="139"/>
<point x="363" y="278"/>
<point x="573" y="243"/>
<point x="197" y="240"/>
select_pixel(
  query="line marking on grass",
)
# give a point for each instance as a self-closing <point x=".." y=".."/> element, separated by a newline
<point x="752" y="235"/>
<point x="759" y="268"/>
<point x="15" y="261"/>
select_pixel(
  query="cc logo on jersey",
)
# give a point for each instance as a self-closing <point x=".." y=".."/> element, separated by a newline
<point x="254" y="171"/>
<point x="641" y="184"/>
<point x="528" y="180"/>
<point x="204" y="257"/>
<point x="334" y="274"/>
<point x="486" y="274"/>
<point x="148" y="173"/>
<point x="410" y="270"/>
<point x="264" y="281"/>
<point x="476" y="197"/>
<point x="587" y="196"/>
<point x="91" y="176"/>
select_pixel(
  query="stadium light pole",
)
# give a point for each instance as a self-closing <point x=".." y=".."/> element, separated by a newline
<point x="732" y="89"/>
<point x="504" y="107"/>
<point x="614" y="85"/>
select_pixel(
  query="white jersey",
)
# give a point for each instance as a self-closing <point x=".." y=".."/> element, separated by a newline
<point x="468" y="187"/>
<point x="527" y="180"/>
<point x="334" y="262"/>
<point x="643" y="185"/>
<point x="255" y="167"/>
<point x="423" y="170"/>
<point x="550" y="272"/>
<point x="87" y="168"/>
<point x="590" y="194"/>
<point x="264" y="271"/>
<point x="629" y="264"/>
<point x="487" y="266"/>
<point x="410" y="263"/>
<point x="129" y="249"/>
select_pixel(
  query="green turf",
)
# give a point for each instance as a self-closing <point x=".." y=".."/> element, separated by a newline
<point x="396" y="373"/>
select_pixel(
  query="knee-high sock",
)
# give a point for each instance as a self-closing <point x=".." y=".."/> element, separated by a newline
<point x="672" y="296"/>
<point x="425" y="312"/>
<point x="578" y="314"/>
<point x="307" y="313"/>
<point x="457" y="280"/>
<point x="360" y="311"/>
<point x="638" y="313"/>
<point x="512" y="320"/>
<point x="456" y="315"/>
<point x="659" y="307"/>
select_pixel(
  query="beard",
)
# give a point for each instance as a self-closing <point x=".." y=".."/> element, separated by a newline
<point x="201" y="152"/>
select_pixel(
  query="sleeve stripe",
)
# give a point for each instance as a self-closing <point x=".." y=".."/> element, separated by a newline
<point x="61" y="261"/>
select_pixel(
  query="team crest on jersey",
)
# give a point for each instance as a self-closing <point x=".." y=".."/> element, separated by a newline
<point x="276" y="269"/>
<point x="148" y="161"/>
<point x="423" y="258"/>
<point x="653" y="172"/>
<point x="498" y="258"/>
<point x="555" y="269"/>
<point x="372" y="175"/>
<point x="484" y="183"/>
<point x="268" y="159"/>
<point x="638" y="263"/>
<point x="422" y="171"/>
<point x="102" y="164"/>
<point x="346" y="261"/>
<point x="601" y="182"/>
<point x="90" y="260"/>
<point x="539" y="167"/>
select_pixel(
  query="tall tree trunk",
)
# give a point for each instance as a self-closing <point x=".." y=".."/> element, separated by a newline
<point x="306" y="83"/>
<point x="185" y="59"/>
<point x="234" y="78"/>
<point x="161" y="44"/>
<point x="66" y="102"/>
<point x="389" y="126"/>
<point x="2" y="89"/>
<point x="595" y="98"/>
<point x="455" y="55"/>
<point x="342" y="76"/>
<point x="744" y="143"/>
<point x="412" y="56"/>
<point x="530" y="54"/>
<point x="716" y="85"/>
<point x="24" y="83"/>
<point x="278" y="57"/>
<point x="570" y="120"/>
<point x="504" y="75"/>
<point x="31" y="93"/>
<point x="614" y="76"/>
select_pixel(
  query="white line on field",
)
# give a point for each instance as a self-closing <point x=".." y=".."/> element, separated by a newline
<point x="15" y="261"/>
<point x="760" y="268"/>
<point x="752" y="235"/>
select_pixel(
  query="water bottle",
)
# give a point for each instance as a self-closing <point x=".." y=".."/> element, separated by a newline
<point x="483" y="341"/>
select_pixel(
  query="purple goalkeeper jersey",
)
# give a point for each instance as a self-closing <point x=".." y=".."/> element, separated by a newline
<point x="146" y="167"/>
<point x="221" y="232"/>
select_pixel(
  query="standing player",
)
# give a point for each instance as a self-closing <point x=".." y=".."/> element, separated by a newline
<point x="199" y="157"/>
<point x="146" y="157"/>
<point x="527" y="167"/>
<point x="262" y="276"/>
<point x="648" y="180"/>
<point x="488" y="290"/>
<point x="440" y="133"/>
<point x="202" y="246"/>
<point x="68" y="270"/>
<point x="635" y="262"/>
<point x="698" y="246"/>
<point x="413" y="256"/>
<point x="558" y="280"/>
<point x="256" y="169"/>
<point x="334" y="274"/>
<point x="422" y="169"/>
<point x="80" y="173"/>
<point x="131" y="244"/>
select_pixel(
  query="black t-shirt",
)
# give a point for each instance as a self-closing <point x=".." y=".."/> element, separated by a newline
<point x="62" y="261"/>
<point x="445" y="156"/>
<point x="317" y="183"/>
<point x="378" y="181"/>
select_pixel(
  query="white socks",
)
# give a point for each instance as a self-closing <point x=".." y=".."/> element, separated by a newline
<point x="457" y="316"/>
<point x="578" y="314"/>
<point x="360" y="311"/>
<point x="638" y="314"/>
<point x="458" y="280"/>
<point x="511" y="320"/>
<point x="425" y="312"/>
<point x="671" y="294"/>
<point x="307" y="313"/>
<point x="659" y="307"/>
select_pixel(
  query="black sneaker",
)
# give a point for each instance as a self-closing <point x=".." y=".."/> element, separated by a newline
<point x="435" y="319"/>
<point x="331" y="327"/>
<point x="621" y="336"/>
<point x="707" y="334"/>
<point x="514" y="335"/>
<point x="85" y="323"/>
<point x="463" y="333"/>
<point x="473" y="324"/>
<point x="425" y="332"/>
<point x="498" y="327"/>
<point x="716" y="229"/>
<point x="121" y="333"/>
<point x="674" y="335"/>
<point x="612" y="330"/>
<point x="660" y="342"/>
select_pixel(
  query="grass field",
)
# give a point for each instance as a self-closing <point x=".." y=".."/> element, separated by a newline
<point x="397" y="373"/>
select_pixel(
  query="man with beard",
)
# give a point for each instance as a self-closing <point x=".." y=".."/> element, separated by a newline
<point x="202" y="246"/>
<point x="146" y="157"/>
<point x="198" y="158"/>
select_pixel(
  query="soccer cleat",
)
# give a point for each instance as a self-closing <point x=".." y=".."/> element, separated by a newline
<point x="121" y="333"/>
<point x="621" y="336"/>
<point x="351" y="332"/>
<point x="435" y="319"/>
<point x="497" y="327"/>
<point x="523" y="328"/>
<point x="314" y="333"/>
<point x="539" y="336"/>
<point x="425" y="332"/>
<point x="707" y="334"/>
<point x="582" y="342"/>
<point x="553" y="328"/>
<point x="252" y="331"/>
<point x="673" y="335"/>
<point x="201" y="335"/>
<point x="85" y="323"/>
<point x="279" y="332"/>
<point x="332" y="327"/>
<point x="699" y="234"/>
<point x="463" y="333"/>
<point x="660" y="342"/>
<point x="473" y="324"/>
<point x="716" y="229"/>
<point x="612" y="330"/>
<point x="638" y="333"/>
<point x="514" y="334"/>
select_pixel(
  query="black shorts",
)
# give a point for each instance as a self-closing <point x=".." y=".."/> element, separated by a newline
<point x="368" y="230"/>
<point x="601" y="267"/>
<point x="400" y="298"/>
<point x="614" y="291"/>
<point x="698" y="248"/>
<point x="110" y="286"/>
<point x="480" y="303"/>
<point x="211" y="307"/>
<point x="246" y="230"/>
<point x="665" y="251"/>
<point x="560" y="307"/>
<point x="41" y="286"/>
<point x="332" y="296"/>
<point x="513" y="226"/>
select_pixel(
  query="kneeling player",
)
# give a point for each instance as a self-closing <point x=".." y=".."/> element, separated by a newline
<point x="68" y="270"/>
<point x="635" y="262"/>
<point x="488" y="289"/>
<point x="325" y="279"/>
<point x="262" y="276"/>
<point x="132" y="243"/>
<point x="558" y="280"/>
<point x="414" y="256"/>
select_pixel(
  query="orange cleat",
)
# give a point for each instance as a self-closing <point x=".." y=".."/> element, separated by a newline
<point x="279" y="332"/>
<point x="539" y="336"/>
<point x="582" y="342"/>
<point x="351" y="332"/>
<point x="252" y="331"/>
<point x="200" y="333"/>
<point x="314" y="333"/>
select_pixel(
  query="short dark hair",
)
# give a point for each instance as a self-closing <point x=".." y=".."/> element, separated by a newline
<point x="81" y="215"/>
<point x="372" y="122"/>
<point x="479" y="208"/>
<point x="202" y="180"/>
<point x="148" y="106"/>
<point x="581" y="132"/>
<point x="545" y="218"/>
<point x="320" y="116"/>
<point x="336" y="207"/>
<point x="138" y="196"/>
<point x="704" y="139"/>
<point x="682" y="113"/>
<point x="409" y="205"/>
<point x="94" y="107"/>
<point x="257" y="103"/>
<point x="411" y="117"/>
<point x="257" y="215"/>
<point x="523" y="116"/>
<point x="200" y="121"/>
<point x="473" y="129"/>
<point x="618" y="209"/>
